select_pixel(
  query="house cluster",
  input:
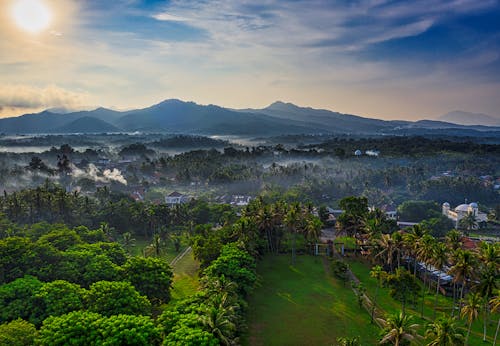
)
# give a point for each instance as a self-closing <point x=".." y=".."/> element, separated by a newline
<point x="236" y="200"/>
<point x="177" y="198"/>
<point x="370" y="152"/>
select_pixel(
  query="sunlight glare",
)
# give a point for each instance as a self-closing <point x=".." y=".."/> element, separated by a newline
<point x="31" y="15"/>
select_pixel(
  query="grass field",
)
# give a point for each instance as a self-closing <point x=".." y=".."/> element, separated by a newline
<point x="185" y="281"/>
<point x="303" y="305"/>
<point x="389" y="305"/>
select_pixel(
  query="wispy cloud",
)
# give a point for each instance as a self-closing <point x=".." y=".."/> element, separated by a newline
<point x="24" y="98"/>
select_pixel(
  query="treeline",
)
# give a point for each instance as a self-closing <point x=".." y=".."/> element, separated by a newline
<point x="51" y="203"/>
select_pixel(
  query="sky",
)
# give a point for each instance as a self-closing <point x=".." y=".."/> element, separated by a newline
<point x="377" y="58"/>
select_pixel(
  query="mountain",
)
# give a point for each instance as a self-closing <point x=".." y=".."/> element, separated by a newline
<point x="279" y="118"/>
<point x="87" y="124"/>
<point x="327" y="120"/>
<point x="467" y="118"/>
<point x="189" y="117"/>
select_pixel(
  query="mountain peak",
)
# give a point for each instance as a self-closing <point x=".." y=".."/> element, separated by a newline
<point x="280" y="105"/>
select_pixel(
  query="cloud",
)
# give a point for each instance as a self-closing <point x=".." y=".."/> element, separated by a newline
<point x="164" y="16"/>
<point x="22" y="98"/>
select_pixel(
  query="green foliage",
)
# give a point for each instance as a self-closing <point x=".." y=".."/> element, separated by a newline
<point x="152" y="277"/>
<point x="15" y="259"/>
<point x="403" y="285"/>
<point x="60" y="297"/>
<point x="236" y="265"/>
<point x="92" y="329"/>
<point x="18" y="300"/>
<point x="17" y="333"/>
<point x="438" y="226"/>
<point x="61" y="239"/>
<point x="186" y="336"/>
<point x="416" y="211"/>
<point x="115" y="297"/>
<point x="340" y="270"/>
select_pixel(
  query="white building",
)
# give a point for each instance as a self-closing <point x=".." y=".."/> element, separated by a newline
<point x="462" y="211"/>
<point x="176" y="198"/>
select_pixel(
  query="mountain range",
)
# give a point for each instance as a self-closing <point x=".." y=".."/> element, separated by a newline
<point x="176" y="116"/>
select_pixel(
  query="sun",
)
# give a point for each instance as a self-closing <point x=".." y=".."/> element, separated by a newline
<point x="31" y="15"/>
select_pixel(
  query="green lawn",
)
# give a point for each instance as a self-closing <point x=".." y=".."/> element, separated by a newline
<point x="303" y="305"/>
<point x="169" y="252"/>
<point x="362" y="271"/>
<point x="185" y="281"/>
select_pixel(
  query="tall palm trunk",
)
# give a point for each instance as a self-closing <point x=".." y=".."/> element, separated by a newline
<point x="486" y="313"/>
<point x="468" y="333"/>
<point x="436" y="300"/>
<point x="496" y="333"/>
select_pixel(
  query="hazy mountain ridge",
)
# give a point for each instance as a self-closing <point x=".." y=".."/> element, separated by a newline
<point x="468" y="118"/>
<point x="178" y="116"/>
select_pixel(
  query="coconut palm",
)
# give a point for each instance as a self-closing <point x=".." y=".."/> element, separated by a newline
<point x="398" y="327"/>
<point x="453" y="240"/>
<point x="444" y="331"/>
<point x="377" y="273"/>
<point x="469" y="222"/>
<point x="471" y="310"/>
<point x="439" y="258"/>
<point x="487" y="284"/>
<point x="155" y="248"/>
<point x="128" y="241"/>
<point x="495" y="307"/>
<point x="387" y="249"/>
<point x="463" y="269"/>
<point x="424" y="254"/>
<point x="217" y="320"/>
<point x="347" y="341"/>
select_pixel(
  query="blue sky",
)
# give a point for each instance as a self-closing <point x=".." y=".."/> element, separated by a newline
<point x="386" y="59"/>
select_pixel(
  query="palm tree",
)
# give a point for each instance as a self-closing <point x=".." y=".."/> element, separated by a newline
<point x="464" y="267"/>
<point x="347" y="341"/>
<point x="292" y="219"/>
<point x="377" y="273"/>
<point x="155" y="248"/>
<point x="218" y="322"/>
<point x="398" y="327"/>
<point x="439" y="259"/>
<point x="444" y="332"/>
<point x="488" y="283"/>
<point x="424" y="254"/>
<point x="454" y="240"/>
<point x="471" y="310"/>
<point x="469" y="222"/>
<point x="495" y="307"/>
<point x="387" y="248"/>
<point x="127" y="241"/>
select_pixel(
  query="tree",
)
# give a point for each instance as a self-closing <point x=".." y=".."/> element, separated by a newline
<point x="495" y="307"/>
<point x="130" y="330"/>
<point x="468" y="222"/>
<point x="17" y="333"/>
<point x="398" y="327"/>
<point x="116" y="297"/>
<point x="156" y="248"/>
<point x="351" y="220"/>
<point x="60" y="297"/>
<point x="18" y="300"/>
<point x="444" y="331"/>
<point x="218" y="321"/>
<point x="152" y="277"/>
<point x="403" y="285"/>
<point x="463" y="269"/>
<point x="128" y="242"/>
<point x="75" y="328"/>
<point x="348" y="341"/>
<point x="471" y="310"/>
<point x="379" y="274"/>
<point x="439" y="258"/>
<point x="486" y="286"/>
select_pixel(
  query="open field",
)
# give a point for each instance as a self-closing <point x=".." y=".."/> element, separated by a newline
<point x="303" y="305"/>
<point x="185" y="281"/>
